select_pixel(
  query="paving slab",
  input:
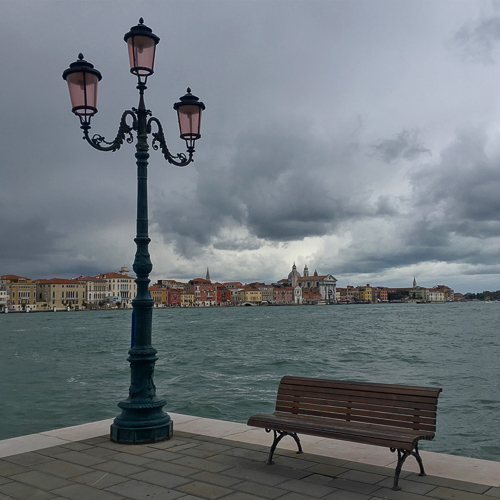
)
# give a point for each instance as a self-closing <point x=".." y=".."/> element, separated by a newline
<point x="40" y="480"/>
<point x="139" y="490"/>
<point x="260" y="490"/>
<point x="99" y="479"/>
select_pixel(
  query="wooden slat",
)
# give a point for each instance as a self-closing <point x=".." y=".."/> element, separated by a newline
<point x="344" y="393"/>
<point x="359" y="403"/>
<point x="380" y="393"/>
<point x="427" y="404"/>
<point x="343" y="412"/>
<point x="398" y="389"/>
<point x="358" y="428"/>
<point x="285" y="400"/>
<point x="381" y="419"/>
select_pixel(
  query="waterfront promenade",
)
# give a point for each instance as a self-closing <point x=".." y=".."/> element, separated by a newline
<point x="213" y="459"/>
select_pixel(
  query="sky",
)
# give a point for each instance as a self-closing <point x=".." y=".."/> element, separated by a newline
<point x="360" y="138"/>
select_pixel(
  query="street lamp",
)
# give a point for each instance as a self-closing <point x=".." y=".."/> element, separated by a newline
<point x="142" y="419"/>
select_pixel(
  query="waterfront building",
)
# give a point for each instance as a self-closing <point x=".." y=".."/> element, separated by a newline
<point x="203" y="291"/>
<point x="325" y="284"/>
<point x="159" y="295"/>
<point x="223" y="294"/>
<point x="351" y="293"/>
<point x="187" y="299"/>
<point x="418" y="293"/>
<point x="21" y="292"/>
<point x="341" y="295"/>
<point x="365" y="293"/>
<point x="436" y="296"/>
<point x="298" y="297"/>
<point x="382" y="294"/>
<point x="173" y="296"/>
<point x="3" y="298"/>
<point x="250" y="294"/>
<point x="170" y="284"/>
<point x="60" y="293"/>
<point x="283" y="295"/>
<point x="311" y="296"/>
<point x="121" y="288"/>
<point x="95" y="291"/>
<point x="235" y="295"/>
<point x="267" y="291"/>
<point x="448" y="293"/>
<point x="232" y="285"/>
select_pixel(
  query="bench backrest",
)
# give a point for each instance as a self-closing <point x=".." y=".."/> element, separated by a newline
<point x="385" y="404"/>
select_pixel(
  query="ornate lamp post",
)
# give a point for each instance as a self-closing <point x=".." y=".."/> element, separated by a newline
<point x="142" y="419"/>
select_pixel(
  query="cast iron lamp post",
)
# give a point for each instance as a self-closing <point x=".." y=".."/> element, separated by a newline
<point x="142" y="419"/>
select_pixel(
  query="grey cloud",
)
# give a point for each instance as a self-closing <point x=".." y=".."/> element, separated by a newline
<point x="27" y="238"/>
<point x="428" y="235"/>
<point x="463" y="188"/>
<point x="270" y="189"/>
<point x="452" y="215"/>
<point x="235" y="244"/>
<point x="386" y="205"/>
<point x="478" y="40"/>
<point x="405" y="145"/>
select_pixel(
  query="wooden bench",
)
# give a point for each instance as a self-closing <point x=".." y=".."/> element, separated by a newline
<point x="395" y="416"/>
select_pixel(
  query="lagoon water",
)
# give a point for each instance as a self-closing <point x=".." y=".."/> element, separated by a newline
<point x="62" y="369"/>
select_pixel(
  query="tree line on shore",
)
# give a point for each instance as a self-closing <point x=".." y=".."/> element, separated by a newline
<point x="486" y="295"/>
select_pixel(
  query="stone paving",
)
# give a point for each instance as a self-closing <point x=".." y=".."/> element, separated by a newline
<point x="193" y="466"/>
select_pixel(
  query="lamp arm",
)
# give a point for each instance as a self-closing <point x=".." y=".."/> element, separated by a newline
<point x="124" y="130"/>
<point x="159" y="142"/>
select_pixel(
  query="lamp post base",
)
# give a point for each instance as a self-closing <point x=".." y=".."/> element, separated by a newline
<point x="125" y="431"/>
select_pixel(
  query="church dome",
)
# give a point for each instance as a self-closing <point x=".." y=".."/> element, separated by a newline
<point x="294" y="274"/>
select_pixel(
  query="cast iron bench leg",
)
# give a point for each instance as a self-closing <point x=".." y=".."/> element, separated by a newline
<point x="402" y="456"/>
<point x="416" y="454"/>
<point x="278" y="436"/>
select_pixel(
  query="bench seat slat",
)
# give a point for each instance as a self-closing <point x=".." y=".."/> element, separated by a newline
<point x="381" y="419"/>
<point x="341" y="394"/>
<point x="356" y="386"/>
<point x="338" y="405"/>
<point x="359" y="415"/>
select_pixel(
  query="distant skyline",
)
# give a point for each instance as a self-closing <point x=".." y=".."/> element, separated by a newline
<point x="359" y="138"/>
<point x="222" y="280"/>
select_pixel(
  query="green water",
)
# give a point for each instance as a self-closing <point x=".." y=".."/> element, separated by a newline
<point x="62" y="369"/>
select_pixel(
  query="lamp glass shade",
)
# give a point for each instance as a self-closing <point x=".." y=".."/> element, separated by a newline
<point x="141" y="52"/>
<point x="189" y="116"/>
<point x="83" y="92"/>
